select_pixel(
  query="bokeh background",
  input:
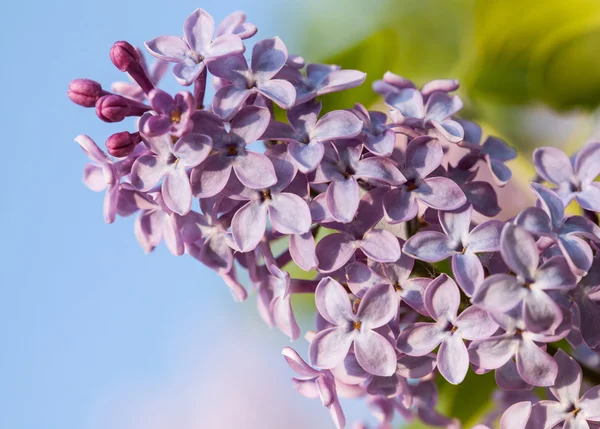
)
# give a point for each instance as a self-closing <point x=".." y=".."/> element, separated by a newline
<point x="95" y="334"/>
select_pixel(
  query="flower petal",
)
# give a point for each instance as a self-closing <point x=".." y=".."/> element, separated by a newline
<point x="177" y="192"/>
<point x="306" y="156"/>
<point x="578" y="253"/>
<point x="198" y="29"/>
<point x="399" y="205"/>
<point x="499" y="291"/>
<point x="169" y="48"/>
<point x="442" y="298"/>
<point x="493" y="352"/>
<point x="440" y="193"/>
<point x="420" y="338"/>
<point x="553" y="165"/>
<point x="268" y="57"/>
<point x="255" y="170"/>
<point x="333" y="302"/>
<point x="568" y="381"/>
<point x="147" y="171"/>
<point x="229" y="100"/>
<point x="302" y="250"/>
<point x="298" y="364"/>
<point x="381" y="246"/>
<point x="343" y="198"/>
<point x="210" y="177"/>
<point x="338" y="124"/>
<point x="475" y="324"/>
<point x="423" y="155"/>
<point x="535" y="365"/>
<point x="540" y="312"/>
<point x="289" y="214"/>
<point x="516" y="416"/>
<point x="409" y="102"/>
<point x="280" y="91"/>
<point x="380" y="169"/>
<point x="519" y="250"/>
<point x="468" y="271"/>
<point x="453" y="359"/>
<point x="374" y="353"/>
<point x="333" y="251"/>
<point x="329" y="347"/>
<point x="249" y="224"/>
<point x="429" y="246"/>
<point x="377" y="307"/>
<point x="192" y="149"/>
<point x="587" y="163"/>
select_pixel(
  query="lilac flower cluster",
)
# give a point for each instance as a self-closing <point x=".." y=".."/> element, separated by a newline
<point x="373" y="203"/>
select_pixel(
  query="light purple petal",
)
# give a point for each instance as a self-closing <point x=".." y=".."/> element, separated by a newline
<point x="192" y="149"/>
<point x="519" y="250"/>
<point x="441" y="106"/>
<point x="255" y="170"/>
<point x="177" y="192"/>
<point x="555" y="274"/>
<point x="587" y="163"/>
<point x="485" y="237"/>
<point x="590" y="404"/>
<point x="148" y="229"/>
<point x="377" y="307"/>
<point x="250" y="123"/>
<point x="361" y="278"/>
<point x="306" y="156"/>
<point x="339" y="124"/>
<point x="420" y="338"/>
<point x="333" y="251"/>
<point x="381" y="246"/>
<point x="546" y="415"/>
<point x="589" y="198"/>
<point x="535" y="365"/>
<point x="231" y="68"/>
<point x="339" y="80"/>
<point x="475" y="324"/>
<point x="225" y="45"/>
<point x="534" y="220"/>
<point x="298" y="364"/>
<point x="551" y="203"/>
<point x="416" y="366"/>
<point x="111" y="200"/>
<point x="210" y="177"/>
<point x="249" y="224"/>
<point x="289" y="214"/>
<point x="147" y="171"/>
<point x="280" y="91"/>
<point x="374" y="353"/>
<point x="333" y="302"/>
<point x="399" y="205"/>
<point x="468" y="271"/>
<point x="440" y="193"/>
<point x="169" y="48"/>
<point x="302" y="250"/>
<point x="284" y="318"/>
<point x="516" y="416"/>
<point x="553" y="165"/>
<point x="499" y="291"/>
<point x="229" y="100"/>
<point x="442" y="298"/>
<point x="408" y="102"/>
<point x="494" y="352"/>
<point x="93" y="178"/>
<point x="172" y="236"/>
<point x="424" y="154"/>
<point x="342" y="199"/>
<point x="568" y="382"/>
<point x="268" y="57"/>
<point x="198" y="29"/>
<point x="577" y="252"/>
<point x="429" y="246"/>
<point x="329" y="348"/>
<point x="380" y="169"/>
<point x="540" y="312"/>
<point x="453" y="359"/>
<point x="449" y="130"/>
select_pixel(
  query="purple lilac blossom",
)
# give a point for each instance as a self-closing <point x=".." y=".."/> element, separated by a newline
<point x="196" y="48"/>
<point x="341" y="194"/>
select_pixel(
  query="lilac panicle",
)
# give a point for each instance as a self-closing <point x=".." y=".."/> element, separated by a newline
<point x="356" y="209"/>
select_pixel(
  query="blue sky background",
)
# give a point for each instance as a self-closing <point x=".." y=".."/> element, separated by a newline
<point x="94" y="333"/>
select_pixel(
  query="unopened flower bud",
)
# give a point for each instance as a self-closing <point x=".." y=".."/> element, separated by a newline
<point x="124" y="56"/>
<point x="122" y="144"/>
<point x="85" y="92"/>
<point x="127" y="59"/>
<point x="115" y="108"/>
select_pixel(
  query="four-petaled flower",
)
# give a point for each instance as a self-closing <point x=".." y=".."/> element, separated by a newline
<point x="442" y="299"/>
<point x="196" y="49"/>
<point x="373" y="352"/>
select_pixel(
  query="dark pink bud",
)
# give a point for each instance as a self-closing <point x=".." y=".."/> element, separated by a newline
<point x="122" y="144"/>
<point x="115" y="108"/>
<point x="124" y="56"/>
<point x="85" y="92"/>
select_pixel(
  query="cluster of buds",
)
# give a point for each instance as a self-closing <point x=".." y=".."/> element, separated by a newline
<point x="372" y="202"/>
